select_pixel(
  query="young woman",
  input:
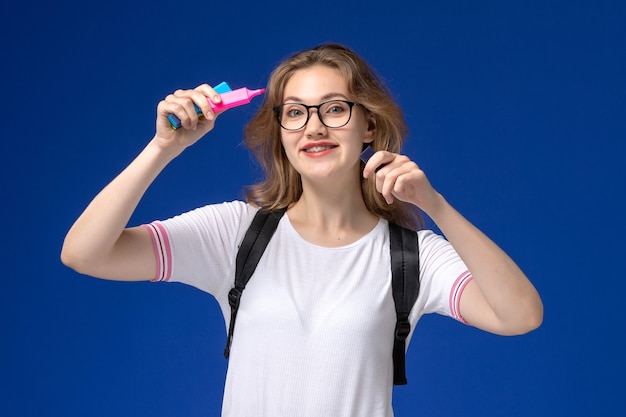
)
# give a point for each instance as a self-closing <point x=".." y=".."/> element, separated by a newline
<point x="315" y="327"/>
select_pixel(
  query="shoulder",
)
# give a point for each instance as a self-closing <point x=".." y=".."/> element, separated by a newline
<point x="231" y="212"/>
<point x="430" y="240"/>
<point x="222" y="222"/>
<point x="235" y="208"/>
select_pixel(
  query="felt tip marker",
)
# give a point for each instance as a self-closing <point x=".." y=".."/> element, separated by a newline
<point x="230" y="99"/>
<point x="367" y="154"/>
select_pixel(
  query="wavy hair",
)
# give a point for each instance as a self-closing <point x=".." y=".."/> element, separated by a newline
<point x="282" y="185"/>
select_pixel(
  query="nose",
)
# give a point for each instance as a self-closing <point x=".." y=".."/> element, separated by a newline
<point x="314" y="126"/>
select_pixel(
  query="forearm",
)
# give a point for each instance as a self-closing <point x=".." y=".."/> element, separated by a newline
<point x="513" y="300"/>
<point x="96" y="232"/>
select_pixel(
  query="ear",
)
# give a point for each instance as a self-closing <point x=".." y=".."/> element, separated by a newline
<point x="370" y="129"/>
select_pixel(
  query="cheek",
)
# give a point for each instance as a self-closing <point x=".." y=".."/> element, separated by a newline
<point x="289" y="141"/>
<point x="289" y="146"/>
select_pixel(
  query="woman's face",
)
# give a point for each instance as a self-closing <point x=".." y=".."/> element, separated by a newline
<point x="316" y="151"/>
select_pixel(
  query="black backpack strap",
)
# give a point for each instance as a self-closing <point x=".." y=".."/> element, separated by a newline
<point x="252" y="247"/>
<point x="405" y="285"/>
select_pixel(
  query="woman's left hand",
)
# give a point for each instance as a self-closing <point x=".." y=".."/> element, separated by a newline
<point x="500" y="299"/>
<point x="398" y="177"/>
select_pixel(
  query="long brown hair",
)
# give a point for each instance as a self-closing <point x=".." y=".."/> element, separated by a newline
<point x="282" y="185"/>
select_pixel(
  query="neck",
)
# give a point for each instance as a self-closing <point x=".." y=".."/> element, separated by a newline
<point x="331" y="214"/>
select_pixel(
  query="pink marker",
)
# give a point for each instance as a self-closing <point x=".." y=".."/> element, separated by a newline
<point x="230" y="99"/>
<point x="235" y="98"/>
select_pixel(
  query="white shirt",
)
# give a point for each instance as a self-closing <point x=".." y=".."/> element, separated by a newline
<point x="314" y="331"/>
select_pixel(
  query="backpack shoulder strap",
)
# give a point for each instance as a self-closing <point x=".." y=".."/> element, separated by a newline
<point x="405" y="285"/>
<point x="252" y="247"/>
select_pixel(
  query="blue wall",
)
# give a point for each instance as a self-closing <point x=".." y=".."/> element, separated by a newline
<point x="516" y="111"/>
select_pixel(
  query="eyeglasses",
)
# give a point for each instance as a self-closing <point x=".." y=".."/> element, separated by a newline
<point x="333" y="114"/>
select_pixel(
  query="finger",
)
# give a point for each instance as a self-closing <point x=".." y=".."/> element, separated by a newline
<point x="377" y="162"/>
<point x="384" y="183"/>
<point x="196" y="104"/>
<point x="171" y="106"/>
<point x="203" y="94"/>
<point x="388" y="178"/>
<point x="181" y="105"/>
<point x="209" y="92"/>
<point x="406" y="184"/>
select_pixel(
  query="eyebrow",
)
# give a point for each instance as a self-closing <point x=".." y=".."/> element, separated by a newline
<point x="324" y="97"/>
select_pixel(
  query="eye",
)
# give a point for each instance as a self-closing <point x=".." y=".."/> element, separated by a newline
<point x="336" y="107"/>
<point x="293" y="110"/>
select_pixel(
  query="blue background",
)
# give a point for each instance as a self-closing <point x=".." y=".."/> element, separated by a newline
<point x="516" y="111"/>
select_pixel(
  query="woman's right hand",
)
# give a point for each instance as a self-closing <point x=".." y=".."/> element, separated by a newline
<point x="181" y="104"/>
<point x="100" y="243"/>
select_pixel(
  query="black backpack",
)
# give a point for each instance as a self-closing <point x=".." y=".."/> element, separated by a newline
<point x="404" y="264"/>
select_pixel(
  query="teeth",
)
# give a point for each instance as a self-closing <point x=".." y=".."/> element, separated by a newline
<point x="318" y="148"/>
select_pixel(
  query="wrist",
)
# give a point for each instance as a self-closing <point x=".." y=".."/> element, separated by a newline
<point x="166" y="153"/>
<point x="437" y="207"/>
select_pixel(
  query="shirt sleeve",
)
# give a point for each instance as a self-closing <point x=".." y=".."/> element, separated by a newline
<point x="443" y="276"/>
<point x="199" y="247"/>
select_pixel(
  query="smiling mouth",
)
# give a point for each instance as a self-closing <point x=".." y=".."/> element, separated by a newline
<point x="319" y="148"/>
